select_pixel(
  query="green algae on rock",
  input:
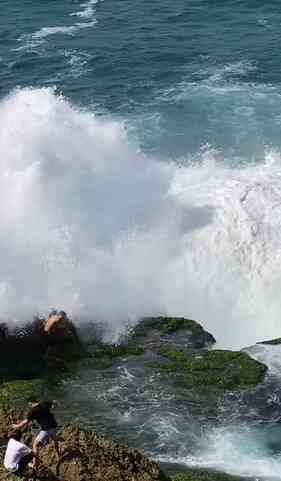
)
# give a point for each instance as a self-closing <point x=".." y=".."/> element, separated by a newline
<point x="170" y="325"/>
<point x="206" y="475"/>
<point x="20" y="391"/>
<point x="135" y="342"/>
<point x="104" y="354"/>
<point x="271" y="342"/>
<point x="117" y="350"/>
<point x="218" y="368"/>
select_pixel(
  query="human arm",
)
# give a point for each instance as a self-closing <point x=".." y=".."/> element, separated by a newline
<point x="21" y="424"/>
<point x="51" y="322"/>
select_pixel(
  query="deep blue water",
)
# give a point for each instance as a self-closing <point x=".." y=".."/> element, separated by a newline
<point x="183" y="74"/>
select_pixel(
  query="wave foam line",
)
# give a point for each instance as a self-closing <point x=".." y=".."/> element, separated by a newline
<point x="88" y="9"/>
<point x="35" y="39"/>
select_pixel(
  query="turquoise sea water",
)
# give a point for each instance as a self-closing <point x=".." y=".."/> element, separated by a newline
<point x="182" y="74"/>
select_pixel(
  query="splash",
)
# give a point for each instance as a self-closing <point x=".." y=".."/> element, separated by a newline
<point x="241" y="451"/>
<point x="91" y="225"/>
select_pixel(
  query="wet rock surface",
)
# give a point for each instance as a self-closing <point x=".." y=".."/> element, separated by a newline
<point x="207" y="475"/>
<point x="155" y="328"/>
<point x="272" y="342"/>
<point x="138" y="401"/>
<point x="84" y="456"/>
<point x="87" y="456"/>
<point x="219" y="368"/>
<point x="31" y="359"/>
<point x="162" y="389"/>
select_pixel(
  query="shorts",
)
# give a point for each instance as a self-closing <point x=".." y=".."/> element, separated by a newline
<point x="45" y="437"/>
<point x="23" y="462"/>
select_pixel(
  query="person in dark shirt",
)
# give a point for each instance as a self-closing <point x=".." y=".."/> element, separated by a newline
<point x="41" y="413"/>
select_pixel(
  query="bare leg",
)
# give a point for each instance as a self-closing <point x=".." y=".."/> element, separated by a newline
<point x="57" y="446"/>
<point x="35" y="449"/>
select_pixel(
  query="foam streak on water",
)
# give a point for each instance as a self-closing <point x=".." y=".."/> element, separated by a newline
<point x="37" y="38"/>
<point x="87" y="9"/>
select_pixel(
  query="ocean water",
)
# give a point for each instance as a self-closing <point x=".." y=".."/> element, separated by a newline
<point x="140" y="174"/>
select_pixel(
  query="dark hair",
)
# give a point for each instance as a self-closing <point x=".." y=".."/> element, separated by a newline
<point x="32" y="399"/>
<point x="62" y="313"/>
<point x="15" y="434"/>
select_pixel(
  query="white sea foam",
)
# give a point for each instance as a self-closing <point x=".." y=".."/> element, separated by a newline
<point x="225" y="71"/>
<point x="38" y="38"/>
<point x="87" y="9"/>
<point x="91" y="225"/>
<point x="70" y="30"/>
<point x="222" y="79"/>
<point x="78" y="62"/>
<point x="270" y="355"/>
<point x="46" y="31"/>
<point x="239" y="451"/>
<point x="127" y="375"/>
<point x="34" y="40"/>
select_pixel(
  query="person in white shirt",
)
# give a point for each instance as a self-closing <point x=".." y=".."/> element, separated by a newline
<point x="17" y="455"/>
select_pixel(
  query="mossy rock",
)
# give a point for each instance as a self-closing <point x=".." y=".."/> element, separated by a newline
<point x="117" y="350"/>
<point x="272" y="342"/>
<point x="170" y="325"/>
<point x="219" y="368"/>
<point x="27" y="353"/>
<point x="102" y="362"/>
<point x="18" y="392"/>
<point x="103" y="355"/>
<point x="206" y="475"/>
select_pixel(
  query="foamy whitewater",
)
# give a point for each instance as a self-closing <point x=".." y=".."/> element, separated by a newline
<point x="92" y="225"/>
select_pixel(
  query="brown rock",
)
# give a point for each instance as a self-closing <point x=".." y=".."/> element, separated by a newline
<point x="84" y="456"/>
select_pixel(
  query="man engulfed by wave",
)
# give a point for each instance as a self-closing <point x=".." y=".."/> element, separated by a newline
<point x="57" y="324"/>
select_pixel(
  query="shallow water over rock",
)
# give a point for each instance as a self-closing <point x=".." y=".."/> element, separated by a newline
<point x="133" y="401"/>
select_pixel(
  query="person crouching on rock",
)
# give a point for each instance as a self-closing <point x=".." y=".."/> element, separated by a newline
<point x="17" y="455"/>
<point x="41" y="413"/>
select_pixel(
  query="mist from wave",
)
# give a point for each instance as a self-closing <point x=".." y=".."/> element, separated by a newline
<point x="92" y="225"/>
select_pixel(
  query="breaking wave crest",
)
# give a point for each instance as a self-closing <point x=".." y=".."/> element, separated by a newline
<point x="91" y="225"/>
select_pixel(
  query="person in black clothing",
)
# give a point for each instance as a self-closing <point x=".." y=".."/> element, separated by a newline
<point x="41" y="413"/>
